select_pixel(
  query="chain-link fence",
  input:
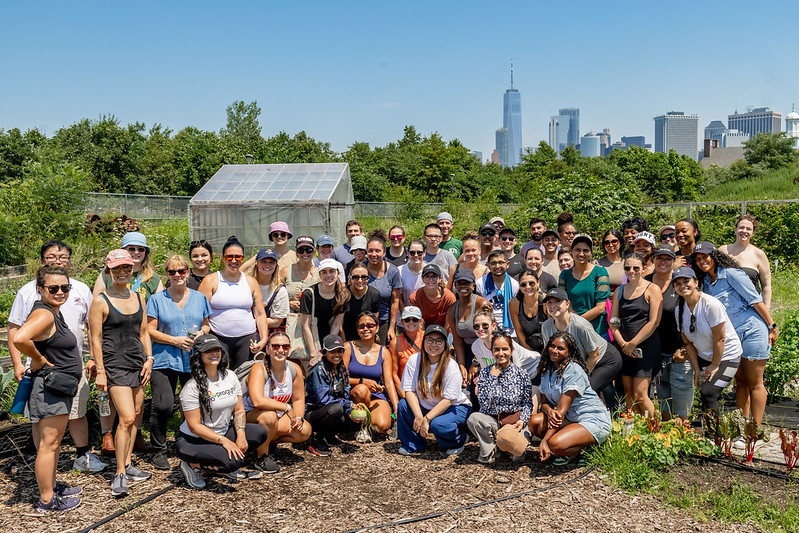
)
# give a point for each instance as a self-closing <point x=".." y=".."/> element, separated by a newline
<point x="138" y="206"/>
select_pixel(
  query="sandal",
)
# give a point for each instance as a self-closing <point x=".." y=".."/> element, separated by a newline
<point x="563" y="461"/>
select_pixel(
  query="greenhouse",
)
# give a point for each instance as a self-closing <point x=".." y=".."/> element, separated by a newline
<point x="243" y="200"/>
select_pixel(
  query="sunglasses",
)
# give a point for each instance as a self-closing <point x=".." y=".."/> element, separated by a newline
<point x="201" y="242"/>
<point x="396" y="237"/>
<point x="137" y="249"/>
<point x="286" y="347"/>
<point x="508" y="238"/>
<point x="179" y="271"/>
<point x="478" y="327"/>
<point x="488" y="233"/>
<point x="281" y="234"/>
<point x="611" y="242"/>
<point x="632" y="269"/>
<point x="122" y="268"/>
<point x="53" y="289"/>
<point x="305" y="251"/>
<point x="416" y="252"/>
<point x="692" y="327"/>
<point x="666" y="236"/>
<point x="234" y="257"/>
<point x="526" y="284"/>
<point x="410" y="319"/>
<point x="361" y="277"/>
<point x="367" y="326"/>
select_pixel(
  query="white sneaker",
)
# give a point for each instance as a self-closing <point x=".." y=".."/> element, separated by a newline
<point x="454" y="451"/>
<point x="739" y="443"/>
<point x="193" y="477"/>
<point x="89" y="463"/>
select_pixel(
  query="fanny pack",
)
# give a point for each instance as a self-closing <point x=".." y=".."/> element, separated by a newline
<point x="59" y="383"/>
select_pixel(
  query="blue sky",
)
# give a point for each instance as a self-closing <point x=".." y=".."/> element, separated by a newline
<point x="360" y="71"/>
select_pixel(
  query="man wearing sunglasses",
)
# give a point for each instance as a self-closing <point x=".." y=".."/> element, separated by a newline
<point x="448" y="242"/>
<point x="76" y="314"/>
<point x="488" y="241"/>
<point x="668" y="235"/>
<point x="507" y="243"/>
<point x="434" y="253"/>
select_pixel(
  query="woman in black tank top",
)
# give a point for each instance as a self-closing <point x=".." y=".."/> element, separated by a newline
<point x="53" y="349"/>
<point x="123" y="354"/>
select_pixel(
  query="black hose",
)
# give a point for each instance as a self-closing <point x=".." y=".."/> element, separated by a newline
<point x="126" y="509"/>
<point x="471" y="506"/>
<point x="748" y="468"/>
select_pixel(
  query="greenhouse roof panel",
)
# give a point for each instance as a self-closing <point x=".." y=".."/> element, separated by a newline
<point x="265" y="183"/>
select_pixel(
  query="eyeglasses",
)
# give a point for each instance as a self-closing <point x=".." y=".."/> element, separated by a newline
<point x="692" y="327"/>
<point x="526" y="284"/>
<point x="410" y="319"/>
<point x="122" y="268"/>
<point x="396" y="237"/>
<point x="666" y="236"/>
<point x="488" y="233"/>
<point x="611" y="242"/>
<point x="281" y="234"/>
<point x="305" y="251"/>
<point x="508" y="238"/>
<point x="426" y="236"/>
<point x="54" y="258"/>
<point x="136" y="249"/>
<point x="357" y="278"/>
<point x="179" y="271"/>
<point x="632" y="269"/>
<point x="234" y="257"/>
<point x="496" y="263"/>
<point x="435" y="341"/>
<point x="53" y="289"/>
<point x="285" y="347"/>
<point x="478" y="327"/>
<point x="367" y="326"/>
<point x="431" y="275"/>
<point x="415" y="252"/>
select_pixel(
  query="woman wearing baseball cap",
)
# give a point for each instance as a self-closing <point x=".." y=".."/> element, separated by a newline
<point x="273" y="293"/>
<point x="301" y="274"/>
<point x="143" y="280"/>
<point x="406" y="344"/>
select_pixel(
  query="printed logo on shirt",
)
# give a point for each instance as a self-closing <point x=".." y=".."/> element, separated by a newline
<point x="282" y="398"/>
<point x="221" y="394"/>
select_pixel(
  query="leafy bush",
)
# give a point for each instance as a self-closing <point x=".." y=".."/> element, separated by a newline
<point x="782" y="369"/>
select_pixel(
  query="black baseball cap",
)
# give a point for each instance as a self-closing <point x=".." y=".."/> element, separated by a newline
<point x="704" y="247"/>
<point x="463" y="274"/>
<point x="206" y="342"/>
<point x="435" y="328"/>
<point x="431" y="268"/>
<point x="664" y="249"/>
<point x="332" y="342"/>
<point x="556" y="292"/>
<point x="488" y="226"/>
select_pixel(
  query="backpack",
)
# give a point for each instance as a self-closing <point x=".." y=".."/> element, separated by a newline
<point x="243" y="371"/>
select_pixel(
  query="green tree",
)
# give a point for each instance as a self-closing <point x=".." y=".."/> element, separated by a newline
<point x="197" y="156"/>
<point x="18" y="150"/>
<point x="243" y="127"/>
<point x="774" y="150"/>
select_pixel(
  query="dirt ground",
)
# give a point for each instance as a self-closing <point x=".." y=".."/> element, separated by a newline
<point x="359" y="486"/>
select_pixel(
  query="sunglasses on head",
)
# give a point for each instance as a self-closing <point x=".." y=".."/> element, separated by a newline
<point x="234" y="257"/>
<point x="666" y="236"/>
<point x="305" y="250"/>
<point x="137" y="249"/>
<point x="122" y="268"/>
<point x="179" y="271"/>
<point x="53" y="289"/>
<point x="201" y="242"/>
<point x="415" y="252"/>
<point x="356" y="277"/>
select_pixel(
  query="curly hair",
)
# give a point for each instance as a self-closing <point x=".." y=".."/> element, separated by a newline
<point x="572" y="357"/>
<point x="720" y="260"/>
<point x="637" y="223"/>
<point x="201" y="377"/>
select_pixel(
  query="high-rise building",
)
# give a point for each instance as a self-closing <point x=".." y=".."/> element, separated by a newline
<point x="635" y="140"/>
<point x="512" y="124"/>
<point x="573" y="135"/>
<point x="714" y="130"/>
<point x="758" y="120"/>
<point x="590" y="145"/>
<point x="564" y="129"/>
<point x="679" y="132"/>
<point x="604" y="141"/>
<point x="792" y="127"/>
<point x="477" y="155"/>
<point x="502" y="146"/>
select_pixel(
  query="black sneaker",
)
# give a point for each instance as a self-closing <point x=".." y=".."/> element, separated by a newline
<point x="58" y="504"/>
<point x="65" y="491"/>
<point x="319" y="447"/>
<point x="161" y="460"/>
<point x="267" y="464"/>
<point x="332" y="440"/>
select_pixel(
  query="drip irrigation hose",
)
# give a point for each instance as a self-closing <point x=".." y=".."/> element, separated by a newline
<point x="471" y="506"/>
<point x="748" y="468"/>
<point x="126" y="509"/>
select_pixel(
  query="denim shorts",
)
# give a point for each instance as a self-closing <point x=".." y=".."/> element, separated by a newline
<point x="754" y="340"/>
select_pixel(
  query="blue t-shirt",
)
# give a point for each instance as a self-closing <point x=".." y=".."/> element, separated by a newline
<point x="586" y="407"/>
<point x="391" y="280"/>
<point x="175" y="321"/>
<point x="735" y="290"/>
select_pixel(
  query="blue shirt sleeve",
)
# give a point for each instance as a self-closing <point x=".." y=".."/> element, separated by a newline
<point x="741" y="283"/>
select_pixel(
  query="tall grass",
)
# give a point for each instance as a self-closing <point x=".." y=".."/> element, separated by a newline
<point x="778" y="185"/>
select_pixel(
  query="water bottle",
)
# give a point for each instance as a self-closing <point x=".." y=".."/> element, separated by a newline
<point x="193" y="331"/>
<point x="23" y="393"/>
<point x="103" y="404"/>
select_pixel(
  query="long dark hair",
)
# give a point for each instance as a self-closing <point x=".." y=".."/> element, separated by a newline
<point x="268" y="358"/>
<point x="721" y="260"/>
<point x="572" y="357"/>
<point x="201" y="378"/>
<point x="616" y="233"/>
<point x="526" y="272"/>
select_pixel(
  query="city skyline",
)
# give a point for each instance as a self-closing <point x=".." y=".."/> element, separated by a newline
<point x="345" y="74"/>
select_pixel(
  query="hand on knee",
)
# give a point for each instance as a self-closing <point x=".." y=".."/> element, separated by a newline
<point x="360" y="394"/>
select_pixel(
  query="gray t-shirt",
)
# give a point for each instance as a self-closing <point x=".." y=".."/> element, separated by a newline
<point x="587" y="338"/>
<point x="224" y="394"/>
<point x="443" y="259"/>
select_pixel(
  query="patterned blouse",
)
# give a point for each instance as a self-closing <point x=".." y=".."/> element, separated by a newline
<point x="509" y="392"/>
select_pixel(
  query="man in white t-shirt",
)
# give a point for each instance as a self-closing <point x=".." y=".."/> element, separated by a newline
<point x="76" y="314"/>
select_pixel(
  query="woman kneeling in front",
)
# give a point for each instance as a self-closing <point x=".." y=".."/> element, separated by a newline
<point x="572" y="416"/>
<point x="434" y="401"/>
<point x="206" y="439"/>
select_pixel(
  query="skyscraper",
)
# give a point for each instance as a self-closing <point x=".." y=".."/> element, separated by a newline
<point x="590" y="145"/>
<point x="512" y="124"/>
<point x="573" y="135"/>
<point x="759" y="120"/>
<point x="792" y="127"/>
<point x="564" y="129"/>
<point x="679" y="132"/>
<point x="502" y="146"/>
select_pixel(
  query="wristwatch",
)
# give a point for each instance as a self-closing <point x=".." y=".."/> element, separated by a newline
<point x="773" y="326"/>
<point x="614" y="321"/>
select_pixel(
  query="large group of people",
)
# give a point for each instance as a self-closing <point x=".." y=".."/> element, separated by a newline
<point x="440" y="337"/>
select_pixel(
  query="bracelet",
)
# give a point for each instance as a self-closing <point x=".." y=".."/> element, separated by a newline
<point x="219" y="439"/>
<point x="360" y="381"/>
<point x="150" y="358"/>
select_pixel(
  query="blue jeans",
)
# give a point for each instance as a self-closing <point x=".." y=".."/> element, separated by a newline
<point x="675" y="388"/>
<point x="449" y="428"/>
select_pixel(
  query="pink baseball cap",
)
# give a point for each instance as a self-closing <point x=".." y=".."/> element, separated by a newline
<point x="118" y="257"/>
<point x="279" y="226"/>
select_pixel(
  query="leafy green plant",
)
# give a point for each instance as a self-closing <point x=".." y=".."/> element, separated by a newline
<point x="782" y="370"/>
